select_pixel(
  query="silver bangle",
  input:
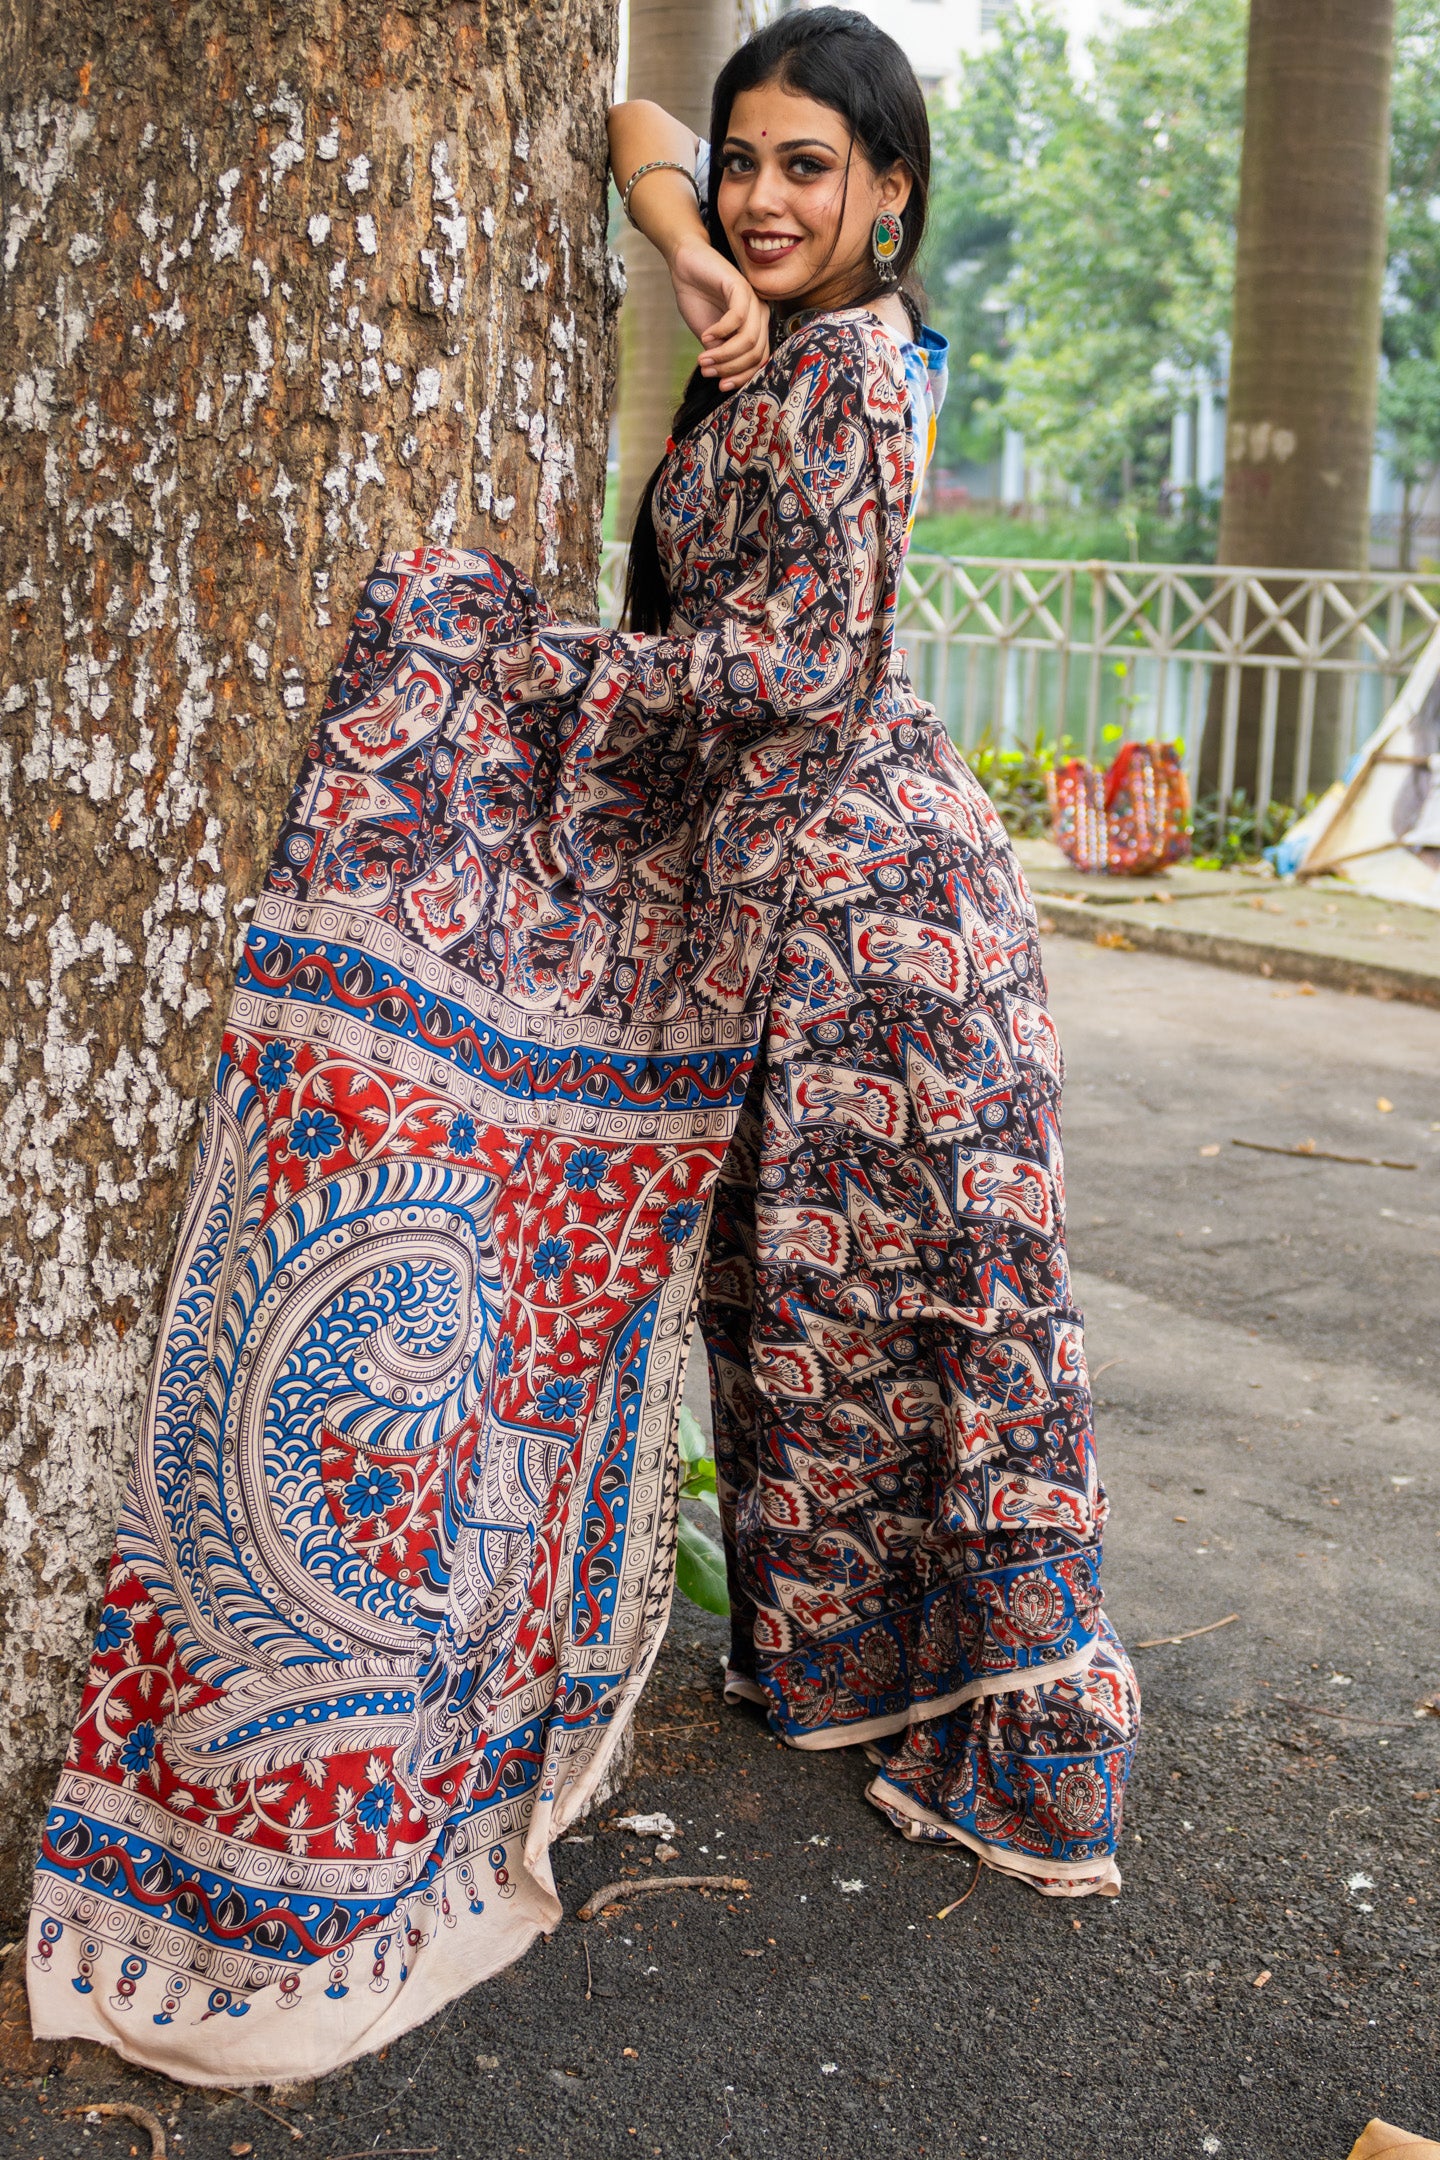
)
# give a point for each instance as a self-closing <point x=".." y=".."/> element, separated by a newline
<point x="656" y="165"/>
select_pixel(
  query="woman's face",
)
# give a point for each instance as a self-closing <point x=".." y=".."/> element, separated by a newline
<point x="798" y="221"/>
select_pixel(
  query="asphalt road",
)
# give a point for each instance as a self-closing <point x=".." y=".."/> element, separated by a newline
<point x="1263" y="1334"/>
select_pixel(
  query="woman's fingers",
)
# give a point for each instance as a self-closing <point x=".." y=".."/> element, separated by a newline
<point x="737" y="354"/>
<point x="736" y="315"/>
<point x="738" y="351"/>
<point x="736" y="345"/>
<point x="736" y="338"/>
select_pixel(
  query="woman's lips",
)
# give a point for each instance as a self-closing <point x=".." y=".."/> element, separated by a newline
<point x="762" y="248"/>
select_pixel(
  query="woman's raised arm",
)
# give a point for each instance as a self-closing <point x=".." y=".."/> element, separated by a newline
<point x="713" y="296"/>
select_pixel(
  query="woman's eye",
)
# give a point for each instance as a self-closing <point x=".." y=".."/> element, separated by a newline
<point x="735" y="162"/>
<point x="805" y="168"/>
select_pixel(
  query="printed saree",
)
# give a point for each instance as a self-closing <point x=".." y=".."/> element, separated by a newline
<point x="561" y="925"/>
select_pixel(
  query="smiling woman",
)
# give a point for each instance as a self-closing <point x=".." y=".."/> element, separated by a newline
<point x="603" y="980"/>
<point x="799" y="208"/>
<point x="817" y="194"/>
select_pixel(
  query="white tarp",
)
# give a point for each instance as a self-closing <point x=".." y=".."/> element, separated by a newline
<point x="1379" y="828"/>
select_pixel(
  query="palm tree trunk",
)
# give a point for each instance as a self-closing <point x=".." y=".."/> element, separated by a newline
<point x="1310" y="263"/>
<point x="676" y="49"/>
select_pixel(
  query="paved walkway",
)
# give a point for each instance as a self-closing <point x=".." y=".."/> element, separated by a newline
<point x="1321" y="933"/>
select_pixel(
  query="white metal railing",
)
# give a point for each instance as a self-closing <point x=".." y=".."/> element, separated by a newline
<point x="1101" y="652"/>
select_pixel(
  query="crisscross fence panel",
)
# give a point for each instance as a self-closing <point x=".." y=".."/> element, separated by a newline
<point x="1097" y="653"/>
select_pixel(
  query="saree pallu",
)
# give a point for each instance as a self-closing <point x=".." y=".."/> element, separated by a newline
<point x="397" y="1552"/>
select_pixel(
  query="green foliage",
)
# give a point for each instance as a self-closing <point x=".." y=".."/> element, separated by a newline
<point x="1089" y="223"/>
<point x="1410" y="414"/>
<point x="1014" y="779"/>
<point x="699" y="1561"/>
<point x="1412" y="295"/>
<point x="1000" y="120"/>
<point x="1066" y="536"/>
<point x="1239" y="836"/>
<point x="700" y="1570"/>
<point x="1410" y="390"/>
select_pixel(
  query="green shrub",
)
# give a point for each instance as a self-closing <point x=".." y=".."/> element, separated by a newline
<point x="1014" y="779"/>
<point x="1239" y="836"/>
<point x="1070" y="536"/>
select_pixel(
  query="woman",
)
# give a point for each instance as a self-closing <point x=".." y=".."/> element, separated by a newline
<point x="590" y="964"/>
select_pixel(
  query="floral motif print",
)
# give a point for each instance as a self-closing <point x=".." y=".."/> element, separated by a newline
<point x="584" y="1169"/>
<point x="372" y="1492"/>
<point x="274" y="1066"/>
<point x="315" y="1133"/>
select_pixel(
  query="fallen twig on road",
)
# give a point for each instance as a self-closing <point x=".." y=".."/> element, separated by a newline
<point x="1346" y="1717"/>
<point x="131" y="2112"/>
<point x="1189" y="1634"/>
<point x="1311" y="1153"/>
<point x="249" y="2099"/>
<point x="611" y="1893"/>
<point x="946" y="1910"/>
<point x="389" y="2152"/>
<point x="1107" y="1365"/>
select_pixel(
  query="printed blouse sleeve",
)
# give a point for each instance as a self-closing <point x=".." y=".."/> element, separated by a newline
<point x="834" y="446"/>
<point x="810" y="621"/>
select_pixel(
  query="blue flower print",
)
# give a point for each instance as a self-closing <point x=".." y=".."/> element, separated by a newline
<point x="462" y="1134"/>
<point x="315" y="1133"/>
<point x="113" y="1630"/>
<point x="678" y="1222"/>
<point x="276" y="1063"/>
<point x="375" y="1807"/>
<point x="371" y="1491"/>
<point x="504" y="1356"/>
<point x="552" y="1257"/>
<point x="559" y="1401"/>
<point x="585" y="1169"/>
<point x="139" y="1750"/>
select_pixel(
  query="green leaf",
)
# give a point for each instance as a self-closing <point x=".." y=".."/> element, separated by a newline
<point x="699" y="1478"/>
<point x="693" y="1444"/>
<point x="700" y="1570"/>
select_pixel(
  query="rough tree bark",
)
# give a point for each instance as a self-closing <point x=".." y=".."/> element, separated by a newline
<point x="1309" y="268"/>
<point x="675" y="49"/>
<point x="282" y="286"/>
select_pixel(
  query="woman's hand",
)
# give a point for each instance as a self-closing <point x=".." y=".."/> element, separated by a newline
<point x="721" y="307"/>
<point x="715" y="299"/>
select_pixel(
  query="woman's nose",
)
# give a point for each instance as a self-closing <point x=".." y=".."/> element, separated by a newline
<point x="767" y="193"/>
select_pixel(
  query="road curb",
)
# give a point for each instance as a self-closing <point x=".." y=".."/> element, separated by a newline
<point x="1247" y="956"/>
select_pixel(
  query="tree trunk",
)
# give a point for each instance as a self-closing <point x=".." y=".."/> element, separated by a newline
<point x="676" y="49"/>
<point x="283" y="287"/>
<point x="1309" y="266"/>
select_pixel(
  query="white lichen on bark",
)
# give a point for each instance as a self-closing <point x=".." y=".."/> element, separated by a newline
<point x="269" y="305"/>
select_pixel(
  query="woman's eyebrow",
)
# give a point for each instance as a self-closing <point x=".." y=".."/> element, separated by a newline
<point x="802" y="142"/>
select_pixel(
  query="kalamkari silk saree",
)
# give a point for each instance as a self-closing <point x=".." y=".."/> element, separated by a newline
<point x="599" y="982"/>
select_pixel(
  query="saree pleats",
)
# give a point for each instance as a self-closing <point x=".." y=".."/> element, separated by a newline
<point x="902" y="1413"/>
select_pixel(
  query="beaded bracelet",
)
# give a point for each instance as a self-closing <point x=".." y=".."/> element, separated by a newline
<point x="656" y="165"/>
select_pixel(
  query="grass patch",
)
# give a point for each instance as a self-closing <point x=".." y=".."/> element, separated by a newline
<point x="1066" y="538"/>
